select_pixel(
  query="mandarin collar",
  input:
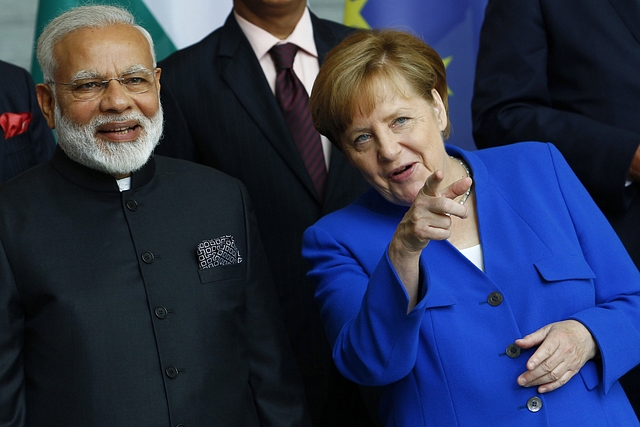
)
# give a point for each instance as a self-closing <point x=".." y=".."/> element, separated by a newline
<point x="94" y="180"/>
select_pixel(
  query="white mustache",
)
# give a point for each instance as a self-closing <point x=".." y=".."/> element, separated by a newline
<point x="106" y="119"/>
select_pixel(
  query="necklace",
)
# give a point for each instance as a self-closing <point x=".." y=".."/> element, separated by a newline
<point x="465" y="196"/>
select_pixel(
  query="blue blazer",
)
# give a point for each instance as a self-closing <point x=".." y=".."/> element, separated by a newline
<point x="36" y="145"/>
<point x="549" y="255"/>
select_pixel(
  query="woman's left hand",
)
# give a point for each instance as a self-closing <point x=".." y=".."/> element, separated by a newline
<point x="564" y="348"/>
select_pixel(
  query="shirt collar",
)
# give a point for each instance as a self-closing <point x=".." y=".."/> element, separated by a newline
<point x="262" y="41"/>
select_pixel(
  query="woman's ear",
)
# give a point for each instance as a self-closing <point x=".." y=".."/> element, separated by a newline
<point x="439" y="110"/>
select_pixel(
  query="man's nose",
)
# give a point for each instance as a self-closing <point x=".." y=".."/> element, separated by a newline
<point x="115" y="97"/>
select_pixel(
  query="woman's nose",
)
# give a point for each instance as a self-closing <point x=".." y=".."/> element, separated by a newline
<point x="388" y="147"/>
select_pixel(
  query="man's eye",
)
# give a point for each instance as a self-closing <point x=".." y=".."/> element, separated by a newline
<point x="135" y="81"/>
<point x="88" y="85"/>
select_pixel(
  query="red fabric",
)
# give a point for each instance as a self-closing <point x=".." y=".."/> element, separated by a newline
<point x="14" y="123"/>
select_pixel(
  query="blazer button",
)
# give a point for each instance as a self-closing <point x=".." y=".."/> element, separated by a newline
<point x="147" y="257"/>
<point x="171" y="372"/>
<point x="494" y="299"/>
<point x="132" y="205"/>
<point x="161" y="312"/>
<point x="534" y="404"/>
<point x="513" y="351"/>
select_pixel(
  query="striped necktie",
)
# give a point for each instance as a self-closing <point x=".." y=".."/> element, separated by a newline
<point x="294" y="102"/>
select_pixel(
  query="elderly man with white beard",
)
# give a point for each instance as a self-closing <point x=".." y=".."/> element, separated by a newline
<point x="134" y="290"/>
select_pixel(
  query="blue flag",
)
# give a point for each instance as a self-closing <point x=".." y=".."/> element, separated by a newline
<point x="451" y="27"/>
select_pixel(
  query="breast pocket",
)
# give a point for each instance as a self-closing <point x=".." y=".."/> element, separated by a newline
<point x="570" y="279"/>
<point x="222" y="272"/>
<point x="19" y="155"/>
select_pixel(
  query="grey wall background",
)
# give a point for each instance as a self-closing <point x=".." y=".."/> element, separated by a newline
<point x="17" y="26"/>
<point x="18" y="20"/>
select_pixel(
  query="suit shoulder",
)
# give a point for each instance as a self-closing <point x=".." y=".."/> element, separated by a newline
<point x="347" y="218"/>
<point x="7" y="68"/>
<point x="335" y="26"/>
<point x="207" y="44"/>
<point x="526" y="165"/>
<point x="17" y="83"/>
<point x="327" y="28"/>
<point x="29" y="182"/>
<point x="518" y="152"/>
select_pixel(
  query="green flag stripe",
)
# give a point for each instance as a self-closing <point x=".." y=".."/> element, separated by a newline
<point x="49" y="9"/>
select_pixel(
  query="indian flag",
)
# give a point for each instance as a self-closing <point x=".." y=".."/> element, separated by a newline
<point x="173" y="24"/>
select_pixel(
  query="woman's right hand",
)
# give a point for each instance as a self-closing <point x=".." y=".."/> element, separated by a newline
<point x="428" y="218"/>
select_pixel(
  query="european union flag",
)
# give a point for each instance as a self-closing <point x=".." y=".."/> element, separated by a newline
<point x="452" y="27"/>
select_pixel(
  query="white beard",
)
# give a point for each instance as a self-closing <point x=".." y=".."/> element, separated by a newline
<point x="82" y="145"/>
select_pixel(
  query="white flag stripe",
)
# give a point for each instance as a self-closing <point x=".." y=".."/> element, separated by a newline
<point x="188" y="22"/>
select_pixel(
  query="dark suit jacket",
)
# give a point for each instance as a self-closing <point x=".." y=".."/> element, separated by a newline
<point x="220" y="107"/>
<point x="106" y="318"/>
<point x="567" y="72"/>
<point x="17" y="95"/>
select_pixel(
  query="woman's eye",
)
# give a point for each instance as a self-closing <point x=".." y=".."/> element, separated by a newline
<point x="362" y="138"/>
<point x="401" y="120"/>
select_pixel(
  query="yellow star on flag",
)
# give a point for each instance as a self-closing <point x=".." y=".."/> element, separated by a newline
<point x="446" y="62"/>
<point x="352" y="16"/>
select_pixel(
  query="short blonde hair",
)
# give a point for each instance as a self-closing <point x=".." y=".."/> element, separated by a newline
<point x="347" y="79"/>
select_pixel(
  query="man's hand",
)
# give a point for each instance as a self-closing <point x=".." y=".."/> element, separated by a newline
<point x="634" y="170"/>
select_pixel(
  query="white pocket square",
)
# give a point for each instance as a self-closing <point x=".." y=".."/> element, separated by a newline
<point x="217" y="252"/>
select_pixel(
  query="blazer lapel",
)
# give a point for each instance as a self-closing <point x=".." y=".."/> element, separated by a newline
<point x="325" y="40"/>
<point x="629" y="11"/>
<point x="338" y="166"/>
<point x="323" y="37"/>
<point x="241" y="70"/>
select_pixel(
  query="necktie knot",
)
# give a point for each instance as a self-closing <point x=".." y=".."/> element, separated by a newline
<point x="283" y="55"/>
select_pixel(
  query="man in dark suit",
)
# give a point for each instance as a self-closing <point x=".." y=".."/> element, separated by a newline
<point x="134" y="290"/>
<point x="567" y="72"/>
<point x="25" y="138"/>
<point x="222" y="112"/>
